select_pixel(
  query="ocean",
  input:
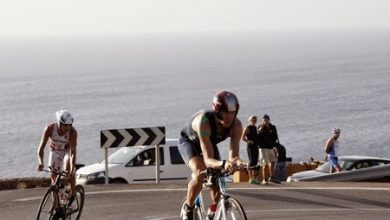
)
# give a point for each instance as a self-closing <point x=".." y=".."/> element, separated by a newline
<point x="307" y="82"/>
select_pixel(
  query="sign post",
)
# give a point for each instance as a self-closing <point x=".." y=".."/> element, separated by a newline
<point x="132" y="137"/>
<point x="157" y="164"/>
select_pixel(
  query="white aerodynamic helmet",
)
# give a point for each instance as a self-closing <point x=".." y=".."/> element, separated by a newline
<point x="64" y="117"/>
<point x="336" y="130"/>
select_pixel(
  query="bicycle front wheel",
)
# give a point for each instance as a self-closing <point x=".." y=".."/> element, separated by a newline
<point x="233" y="210"/>
<point x="74" y="210"/>
<point x="47" y="207"/>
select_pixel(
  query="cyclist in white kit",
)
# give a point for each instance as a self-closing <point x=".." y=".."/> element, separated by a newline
<point x="62" y="137"/>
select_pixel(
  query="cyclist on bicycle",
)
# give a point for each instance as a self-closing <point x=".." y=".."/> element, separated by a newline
<point x="198" y="145"/>
<point x="63" y="140"/>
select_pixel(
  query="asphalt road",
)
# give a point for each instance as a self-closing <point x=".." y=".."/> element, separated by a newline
<point x="311" y="200"/>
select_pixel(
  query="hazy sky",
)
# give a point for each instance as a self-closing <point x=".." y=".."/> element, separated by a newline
<point x="117" y="17"/>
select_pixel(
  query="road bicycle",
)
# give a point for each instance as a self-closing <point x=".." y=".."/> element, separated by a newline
<point x="228" y="208"/>
<point x="55" y="203"/>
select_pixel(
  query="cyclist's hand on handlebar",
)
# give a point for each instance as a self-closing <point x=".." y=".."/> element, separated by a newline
<point x="229" y="167"/>
<point x="40" y="167"/>
<point x="71" y="174"/>
<point x="241" y="164"/>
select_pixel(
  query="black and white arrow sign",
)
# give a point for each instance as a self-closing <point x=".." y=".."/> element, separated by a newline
<point x="132" y="137"/>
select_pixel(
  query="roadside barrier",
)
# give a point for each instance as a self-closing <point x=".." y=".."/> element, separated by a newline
<point x="27" y="182"/>
<point x="24" y="183"/>
<point x="34" y="182"/>
<point x="291" y="168"/>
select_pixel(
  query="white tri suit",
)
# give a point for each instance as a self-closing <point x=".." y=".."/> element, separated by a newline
<point x="59" y="149"/>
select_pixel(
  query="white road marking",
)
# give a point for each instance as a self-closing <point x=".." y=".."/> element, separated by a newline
<point x="317" y="209"/>
<point x="28" y="199"/>
<point x="283" y="210"/>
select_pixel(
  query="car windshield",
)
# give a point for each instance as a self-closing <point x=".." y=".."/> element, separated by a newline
<point x="344" y="164"/>
<point x="123" y="155"/>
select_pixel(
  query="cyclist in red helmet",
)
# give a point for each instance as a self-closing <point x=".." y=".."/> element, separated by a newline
<point x="198" y="144"/>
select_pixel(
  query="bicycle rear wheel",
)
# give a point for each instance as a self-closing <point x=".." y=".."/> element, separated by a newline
<point x="74" y="211"/>
<point x="47" y="207"/>
<point x="234" y="210"/>
<point x="198" y="215"/>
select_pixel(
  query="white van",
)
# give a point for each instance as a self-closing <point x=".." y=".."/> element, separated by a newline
<point x="137" y="164"/>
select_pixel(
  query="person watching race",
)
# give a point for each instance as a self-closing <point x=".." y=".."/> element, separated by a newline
<point x="63" y="140"/>
<point x="198" y="146"/>
<point x="249" y="135"/>
<point x="331" y="149"/>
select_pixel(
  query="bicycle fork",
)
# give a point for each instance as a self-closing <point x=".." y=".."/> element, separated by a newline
<point x="221" y="212"/>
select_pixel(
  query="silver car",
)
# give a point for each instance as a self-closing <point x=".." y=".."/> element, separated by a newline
<point x="355" y="168"/>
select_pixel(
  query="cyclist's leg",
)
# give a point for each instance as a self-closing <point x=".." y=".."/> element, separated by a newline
<point x="55" y="164"/>
<point x="189" y="210"/>
<point x="214" y="190"/>
<point x="197" y="212"/>
<point x="215" y="195"/>
<point x="196" y="165"/>
<point x="71" y="176"/>
<point x="191" y="154"/>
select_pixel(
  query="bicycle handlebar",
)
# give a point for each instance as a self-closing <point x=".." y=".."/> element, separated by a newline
<point x="221" y="172"/>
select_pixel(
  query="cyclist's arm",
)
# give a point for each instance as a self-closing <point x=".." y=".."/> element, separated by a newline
<point x="73" y="144"/>
<point x="235" y="136"/>
<point x="42" y="144"/>
<point x="201" y="126"/>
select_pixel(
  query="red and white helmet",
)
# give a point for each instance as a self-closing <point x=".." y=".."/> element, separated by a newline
<point x="225" y="101"/>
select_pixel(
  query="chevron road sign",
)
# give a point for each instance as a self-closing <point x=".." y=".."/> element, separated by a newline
<point x="132" y="137"/>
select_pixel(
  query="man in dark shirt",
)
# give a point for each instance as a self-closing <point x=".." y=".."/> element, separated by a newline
<point x="268" y="139"/>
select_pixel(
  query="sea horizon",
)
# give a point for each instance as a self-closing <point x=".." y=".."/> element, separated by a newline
<point x="308" y="83"/>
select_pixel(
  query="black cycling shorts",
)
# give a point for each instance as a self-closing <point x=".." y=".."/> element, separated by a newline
<point x="189" y="150"/>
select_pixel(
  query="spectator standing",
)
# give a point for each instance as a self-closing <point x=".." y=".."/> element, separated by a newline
<point x="249" y="135"/>
<point x="268" y="139"/>
<point x="280" y="167"/>
<point x="331" y="150"/>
